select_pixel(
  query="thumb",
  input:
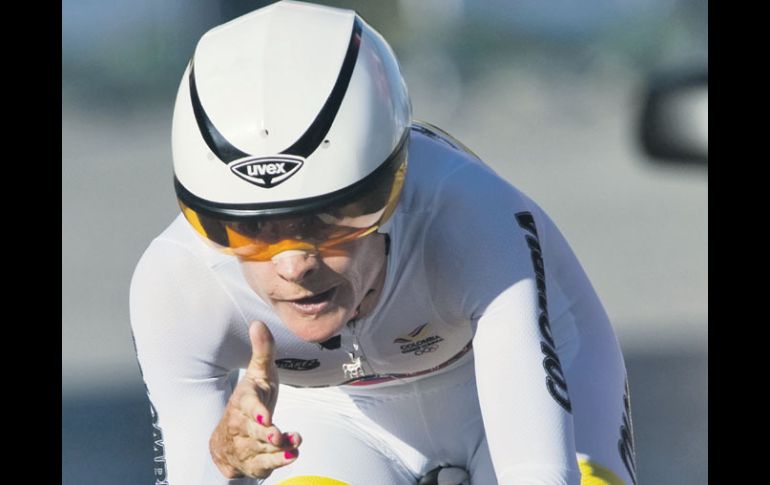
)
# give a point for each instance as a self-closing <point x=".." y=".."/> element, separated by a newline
<point x="262" y="351"/>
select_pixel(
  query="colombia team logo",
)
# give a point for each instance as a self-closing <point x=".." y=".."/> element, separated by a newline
<point x="418" y="341"/>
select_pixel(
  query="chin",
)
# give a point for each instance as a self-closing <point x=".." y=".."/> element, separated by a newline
<point x="316" y="329"/>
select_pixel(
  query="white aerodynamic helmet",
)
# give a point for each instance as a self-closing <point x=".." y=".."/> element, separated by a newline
<point x="290" y="130"/>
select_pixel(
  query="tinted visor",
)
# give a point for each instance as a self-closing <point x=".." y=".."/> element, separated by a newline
<point x="258" y="233"/>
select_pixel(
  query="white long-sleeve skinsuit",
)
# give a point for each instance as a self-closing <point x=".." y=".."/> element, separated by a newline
<point x="488" y="349"/>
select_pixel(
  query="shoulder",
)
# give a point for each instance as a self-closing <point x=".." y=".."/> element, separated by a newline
<point x="460" y="191"/>
<point x="178" y="251"/>
<point x="444" y="172"/>
<point x="184" y="316"/>
<point x="182" y="236"/>
<point x="475" y="238"/>
<point x="175" y="283"/>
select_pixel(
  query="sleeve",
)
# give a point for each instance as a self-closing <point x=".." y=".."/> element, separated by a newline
<point x="485" y="253"/>
<point x="186" y="332"/>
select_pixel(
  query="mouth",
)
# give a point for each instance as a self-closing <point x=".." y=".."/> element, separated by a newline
<point x="314" y="304"/>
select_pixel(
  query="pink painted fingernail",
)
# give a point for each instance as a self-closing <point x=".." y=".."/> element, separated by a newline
<point x="270" y="438"/>
<point x="290" y="454"/>
<point x="289" y="437"/>
<point x="260" y="419"/>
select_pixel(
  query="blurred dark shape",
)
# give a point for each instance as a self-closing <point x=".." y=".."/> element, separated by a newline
<point x="674" y="121"/>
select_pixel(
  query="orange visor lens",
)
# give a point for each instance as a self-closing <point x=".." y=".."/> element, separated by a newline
<point x="261" y="238"/>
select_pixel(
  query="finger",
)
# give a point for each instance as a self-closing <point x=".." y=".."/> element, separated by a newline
<point x="266" y="434"/>
<point x="291" y="440"/>
<point x="247" y="448"/>
<point x="259" y="426"/>
<point x="274" y="460"/>
<point x="255" y="410"/>
<point x="286" y="441"/>
<point x="274" y="436"/>
<point x="262" y="350"/>
<point x="271" y="437"/>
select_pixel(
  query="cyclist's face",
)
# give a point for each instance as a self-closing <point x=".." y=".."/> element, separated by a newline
<point x="316" y="294"/>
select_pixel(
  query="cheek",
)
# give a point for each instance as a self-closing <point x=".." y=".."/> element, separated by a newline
<point x="258" y="277"/>
<point x="348" y="267"/>
<point x="356" y="266"/>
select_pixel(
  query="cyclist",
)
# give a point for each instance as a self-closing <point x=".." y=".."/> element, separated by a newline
<point x="351" y="283"/>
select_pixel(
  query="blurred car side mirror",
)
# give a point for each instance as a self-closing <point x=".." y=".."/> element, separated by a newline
<point x="674" y="122"/>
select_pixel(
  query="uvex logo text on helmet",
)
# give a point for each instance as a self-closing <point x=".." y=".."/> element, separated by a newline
<point x="267" y="172"/>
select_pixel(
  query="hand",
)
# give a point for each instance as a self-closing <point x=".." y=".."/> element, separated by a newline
<point x="245" y="443"/>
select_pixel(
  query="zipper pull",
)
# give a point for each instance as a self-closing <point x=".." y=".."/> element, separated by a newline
<point x="354" y="369"/>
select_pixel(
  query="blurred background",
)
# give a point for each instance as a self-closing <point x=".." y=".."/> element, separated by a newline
<point x="551" y="94"/>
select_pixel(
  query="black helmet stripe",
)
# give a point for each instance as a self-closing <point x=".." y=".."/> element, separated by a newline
<point x="315" y="134"/>
<point x="233" y="212"/>
<point x="223" y="149"/>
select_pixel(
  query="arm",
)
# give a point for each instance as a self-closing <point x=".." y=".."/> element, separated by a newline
<point x="485" y="251"/>
<point x="180" y="318"/>
<point x="522" y="392"/>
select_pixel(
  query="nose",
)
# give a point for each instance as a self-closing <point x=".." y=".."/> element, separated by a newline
<point x="295" y="265"/>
